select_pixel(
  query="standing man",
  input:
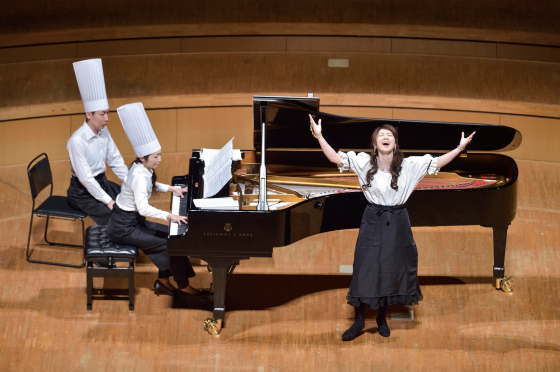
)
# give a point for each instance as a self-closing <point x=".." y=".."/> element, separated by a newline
<point x="91" y="146"/>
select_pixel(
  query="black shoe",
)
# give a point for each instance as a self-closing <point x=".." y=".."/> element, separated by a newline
<point x="383" y="328"/>
<point x="352" y="332"/>
<point x="159" y="287"/>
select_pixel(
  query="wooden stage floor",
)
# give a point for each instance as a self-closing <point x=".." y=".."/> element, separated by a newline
<point x="288" y="312"/>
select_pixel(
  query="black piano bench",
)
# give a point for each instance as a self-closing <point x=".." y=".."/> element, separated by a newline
<point x="99" y="249"/>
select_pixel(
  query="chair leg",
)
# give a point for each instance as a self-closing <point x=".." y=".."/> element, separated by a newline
<point x="131" y="286"/>
<point x="89" y="284"/>
<point x="83" y="237"/>
<point x="64" y="244"/>
<point x="29" y="238"/>
<point x="46" y="228"/>
<point x="69" y="245"/>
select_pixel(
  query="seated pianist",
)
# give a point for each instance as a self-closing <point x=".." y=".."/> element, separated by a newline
<point x="128" y="224"/>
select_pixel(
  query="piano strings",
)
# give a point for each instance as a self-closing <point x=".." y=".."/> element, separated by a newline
<point x="288" y="188"/>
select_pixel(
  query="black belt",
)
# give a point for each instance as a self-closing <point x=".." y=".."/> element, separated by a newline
<point x="100" y="176"/>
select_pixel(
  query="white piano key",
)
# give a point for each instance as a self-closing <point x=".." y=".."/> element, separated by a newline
<point x="173" y="229"/>
<point x="176" y="200"/>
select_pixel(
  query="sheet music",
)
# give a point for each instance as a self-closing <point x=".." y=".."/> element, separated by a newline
<point x="217" y="203"/>
<point x="217" y="169"/>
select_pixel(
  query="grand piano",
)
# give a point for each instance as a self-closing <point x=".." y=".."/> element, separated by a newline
<point x="307" y="195"/>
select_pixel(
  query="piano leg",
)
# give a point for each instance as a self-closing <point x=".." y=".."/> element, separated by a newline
<point x="222" y="268"/>
<point x="500" y="238"/>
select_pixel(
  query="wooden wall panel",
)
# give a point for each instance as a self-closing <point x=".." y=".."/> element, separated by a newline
<point x="48" y="21"/>
<point x="444" y="47"/>
<point x="279" y="43"/>
<point x="233" y="44"/>
<point x="181" y="130"/>
<point x="339" y="44"/>
<point x="129" y="77"/>
<point x="22" y="140"/>
<point x="439" y="80"/>
<point x="77" y="121"/>
<point x="164" y="123"/>
<point x="213" y="127"/>
<point x="94" y="49"/>
<point x="37" y="52"/>
<point x="443" y="115"/>
<point x="362" y="112"/>
<point x="529" y="52"/>
<point x="541" y="137"/>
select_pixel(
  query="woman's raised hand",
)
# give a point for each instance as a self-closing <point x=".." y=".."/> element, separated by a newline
<point x="316" y="129"/>
<point x="465" y="141"/>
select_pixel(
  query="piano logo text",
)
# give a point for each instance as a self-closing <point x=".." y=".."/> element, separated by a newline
<point x="228" y="234"/>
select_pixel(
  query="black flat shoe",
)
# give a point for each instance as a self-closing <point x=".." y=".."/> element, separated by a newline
<point x="383" y="328"/>
<point x="352" y="332"/>
<point x="159" y="287"/>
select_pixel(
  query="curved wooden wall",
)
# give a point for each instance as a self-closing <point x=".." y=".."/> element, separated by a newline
<point x="196" y="66"/>
<point x="63" y="21"/>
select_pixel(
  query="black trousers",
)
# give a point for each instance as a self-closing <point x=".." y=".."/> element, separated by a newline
<point x="131" y="228"/>
<point x="80" y="198"/>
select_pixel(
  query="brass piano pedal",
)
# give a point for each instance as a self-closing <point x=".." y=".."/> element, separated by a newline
<point x="213" y="326"/>
<point x="506" y="283"/>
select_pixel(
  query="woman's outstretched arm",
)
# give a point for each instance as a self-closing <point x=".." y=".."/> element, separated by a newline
<point x="327" y="149"/>
<point x="446" y="158"/>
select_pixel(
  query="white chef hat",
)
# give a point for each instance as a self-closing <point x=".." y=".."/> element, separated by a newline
<point x="91" y="82"/>
<point x="138" y="129"/>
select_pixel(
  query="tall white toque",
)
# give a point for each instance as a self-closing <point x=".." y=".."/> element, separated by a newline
<point x="91" y="82"/>
<point x="138" y="129"/>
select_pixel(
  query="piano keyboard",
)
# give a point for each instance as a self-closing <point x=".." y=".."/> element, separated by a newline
<point x="178" y="207"/>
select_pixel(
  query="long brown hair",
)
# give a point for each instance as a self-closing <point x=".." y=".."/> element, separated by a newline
<point x="396" y="164"/>
<point x="154" y="175"/>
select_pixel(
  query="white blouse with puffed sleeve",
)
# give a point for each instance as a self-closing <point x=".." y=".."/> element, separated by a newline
<point x="379" y="191"/>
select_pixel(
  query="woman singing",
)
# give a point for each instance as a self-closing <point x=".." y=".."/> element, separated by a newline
<point x="385" y="270"/>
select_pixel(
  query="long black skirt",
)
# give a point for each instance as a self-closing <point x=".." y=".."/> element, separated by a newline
<point x="385" y="260"/>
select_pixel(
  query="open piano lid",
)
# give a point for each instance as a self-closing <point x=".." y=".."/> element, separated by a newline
<point x="287" y="126"/>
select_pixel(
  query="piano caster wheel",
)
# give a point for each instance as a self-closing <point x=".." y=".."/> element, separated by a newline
<point x="506" y="284"/>
<point x="213" y="326"/>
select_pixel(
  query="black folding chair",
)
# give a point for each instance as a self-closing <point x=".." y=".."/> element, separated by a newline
<point x="40" y="176"/>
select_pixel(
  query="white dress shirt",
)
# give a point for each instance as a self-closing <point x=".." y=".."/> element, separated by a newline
<point x="136" y="191"/>
<point x="89" y="153"/>
<point x="414" y="168"/>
